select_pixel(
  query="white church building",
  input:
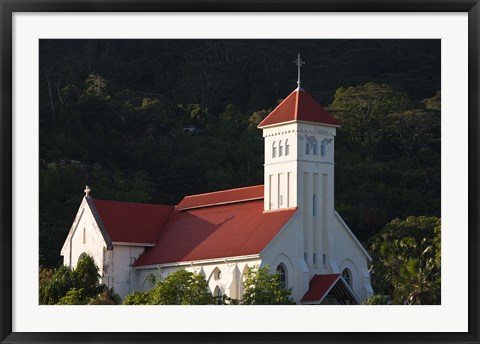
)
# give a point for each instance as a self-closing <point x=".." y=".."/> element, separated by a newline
<point x="289" y="223"/>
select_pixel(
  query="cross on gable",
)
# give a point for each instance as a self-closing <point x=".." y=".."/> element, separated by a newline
<point x="298" y="61"/>
<point x="87" y="191"/>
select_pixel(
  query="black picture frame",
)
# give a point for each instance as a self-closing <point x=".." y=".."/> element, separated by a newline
<point x="8" y="7"/>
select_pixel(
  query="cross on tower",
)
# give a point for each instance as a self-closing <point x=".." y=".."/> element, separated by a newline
<point x="87" y="191"/>
<point x="298" y="61"/>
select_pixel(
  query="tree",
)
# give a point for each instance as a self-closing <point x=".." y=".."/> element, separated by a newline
<point x="263" y="288"/>
<point x="433" y="103"/>
<point x="96" y="86"/>
<point x="406" y="260"/>
<point x="182" y="287"/>
<point x="362" y="110"/>
<point x="376" y="300"/>
<point x="79" y="286"/>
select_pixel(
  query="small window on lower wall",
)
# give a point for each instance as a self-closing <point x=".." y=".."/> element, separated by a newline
<point x="347" y="276"/>
<point x="282" y="275"/>
<point x="217" y="294"/>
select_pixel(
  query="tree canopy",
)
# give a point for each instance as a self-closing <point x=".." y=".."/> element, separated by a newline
<point x="264" y="288"/>
<point x="79" y="286"/>
<point x="406" y="260"/>
<point x="181" y="287"/>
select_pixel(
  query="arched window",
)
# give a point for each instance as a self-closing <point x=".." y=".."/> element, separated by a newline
<point x="217" y="274"/>
<point x="280" y="148"/>
<point x="315" y="149"/>
<point x="217" y="294"/>
<point x="282" y="275"/>
<point x="287" y="147"/>
<point x="322" y="148"/>
<point x="347" y="276"/>
<point x="274" y="150"/>
<point x="307" y="148"/>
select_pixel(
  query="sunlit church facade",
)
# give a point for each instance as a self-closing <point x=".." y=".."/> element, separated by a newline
<point x="289" y="223"/>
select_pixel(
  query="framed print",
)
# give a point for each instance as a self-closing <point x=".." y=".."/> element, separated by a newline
<point x="212" y="171"/>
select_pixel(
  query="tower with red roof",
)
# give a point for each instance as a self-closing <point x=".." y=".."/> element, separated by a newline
<point x="299" y="169"/>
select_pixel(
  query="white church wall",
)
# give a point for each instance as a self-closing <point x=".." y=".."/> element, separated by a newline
<point x="123" y="279"/>
<point x="316" y="190"/>
<point x="280" y="170"/>
<point x="348" y="254"/>
<point x="229" y="282"/>
<point x="85" y="238"/>
<point x="287" y="248"/>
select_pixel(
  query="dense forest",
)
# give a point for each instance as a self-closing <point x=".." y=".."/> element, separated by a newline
<point x="155" y="120"/>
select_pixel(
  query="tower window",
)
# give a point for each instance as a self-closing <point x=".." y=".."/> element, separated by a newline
<point x="315" y="149"/>
<point x="280" y="149"/>
<point x="347" y="276"/>
<point x="324" y="258"/>
<point x="322" y="148"/>
<point x="305" y="257"/>
<point x="307" y="148"/>
<point x="287" y="148"/>
<point x="314" y="205"/>
<point x="84" y="235"/>
<point x="314" y="259"/>
<point x="274" y="150"/>
<point x="282" y="275"/>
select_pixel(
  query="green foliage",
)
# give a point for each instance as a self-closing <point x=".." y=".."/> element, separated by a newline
<point x="79" y="286"/>
<point x="180" y="118"/>
<point x="181" y="287"/>
<point x="406" y="260"/>
<point x="86" y="272"/>
<point x="263" y="288"/>
<point x="363" y="110"/>
<point x="376" y="300"/>
<point x="138" y="298"/>
<point x="54" y="284"/>
<point x="434" y="103"/>
<point x="74" y="297"/>
<point x="96" y="86"/>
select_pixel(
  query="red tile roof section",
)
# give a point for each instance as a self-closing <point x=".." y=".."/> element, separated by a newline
<point x="299" y="106"/>
<point x="228" y="230"/>
<point x="133" y="222"/>
<point x="221" y="197"/>
<point x="319" y="286"/>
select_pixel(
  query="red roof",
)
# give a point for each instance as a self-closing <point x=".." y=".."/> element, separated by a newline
<point x="227" y="230"/>
<point x="319" y="286"/>
<point x="221" y="197"/>
<point x="299" y="106"/>
<point x="132" y="222"/>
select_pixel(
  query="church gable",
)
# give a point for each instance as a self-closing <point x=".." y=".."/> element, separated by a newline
<point x="329" y="289"/>
<point x="86" y="236"/>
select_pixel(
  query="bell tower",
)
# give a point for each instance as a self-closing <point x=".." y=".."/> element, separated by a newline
<point x="299" y="169"/>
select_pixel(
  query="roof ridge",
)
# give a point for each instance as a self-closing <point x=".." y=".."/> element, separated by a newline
<point x="220" y="203"/>
<point x="297" y="100"/>
<point x="137" y="203"/>
<point x="220" y="191"/>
